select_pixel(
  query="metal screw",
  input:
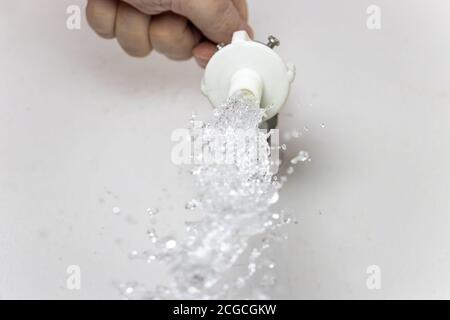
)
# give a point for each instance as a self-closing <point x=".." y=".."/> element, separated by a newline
<point x="273" y="42"/>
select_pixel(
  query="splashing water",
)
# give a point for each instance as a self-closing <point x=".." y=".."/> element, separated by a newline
<point x="237" y="225"/>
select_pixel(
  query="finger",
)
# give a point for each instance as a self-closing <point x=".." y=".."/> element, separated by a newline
<point x="216" y="19"/>
<point x="132" y="30"/>
<point x="203" y="53"/>
<point x="242" y="8"/>
<point x="101" y="16"/>
<point x="173" y="36"/>
<point x="151" y="7"/>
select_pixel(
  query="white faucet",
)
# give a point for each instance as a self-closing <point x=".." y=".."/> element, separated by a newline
<point x="249" y="65"/>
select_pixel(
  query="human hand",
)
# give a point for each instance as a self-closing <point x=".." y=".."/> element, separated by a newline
<point x="179" y="29"/>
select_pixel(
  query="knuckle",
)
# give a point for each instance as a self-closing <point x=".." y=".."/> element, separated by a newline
<point x="225" y="18"/>
<point x="173" y="45"/>
<point x="151" y="6"/>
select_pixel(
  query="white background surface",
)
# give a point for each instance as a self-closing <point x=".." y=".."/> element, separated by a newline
<point x="79" y="120"/>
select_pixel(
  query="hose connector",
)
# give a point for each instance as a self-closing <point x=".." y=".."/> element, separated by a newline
<point x="249" y="65"/>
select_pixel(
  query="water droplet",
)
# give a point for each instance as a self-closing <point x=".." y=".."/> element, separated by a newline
<point x="277" y="185"/>
<point x="301" y="157"/>
<point x="152" y="211"/>
<point x="287" y="220"/>
<point x="290" y="170"/>
<point x="191" y="205"/>
<point x="296" y="133"/>
<point x="268" y="224"/>
<point x="274" y="199"/>
<point x="170" y="244"/>
<point x="151" y="233"/>
<point x="129" y="288"/>
<point x="134" y="254"/>
<point x="193" y="290"/>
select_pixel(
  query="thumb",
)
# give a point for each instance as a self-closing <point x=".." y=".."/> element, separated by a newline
<point x="216" y="19"/>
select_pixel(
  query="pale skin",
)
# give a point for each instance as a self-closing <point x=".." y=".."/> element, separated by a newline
<point x="179" y="29"/>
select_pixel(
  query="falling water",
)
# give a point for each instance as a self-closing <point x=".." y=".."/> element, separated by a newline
<point x="234" y="193"/>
